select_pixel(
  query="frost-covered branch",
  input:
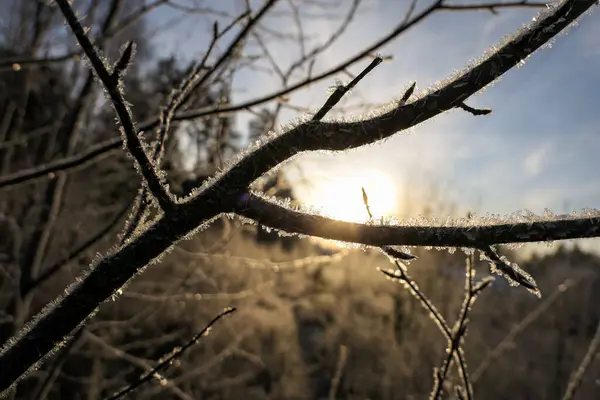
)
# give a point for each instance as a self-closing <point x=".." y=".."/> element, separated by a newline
<point x="176" y="99"/>
<point x="100" y="150"/>
<point x="281" y="217"/>
<point x="113" y="85"/>
<point x="578" y="375"/>
<point x="403" y="26"/>
<point x="167" y="359"/>
<point x="340" y="136"/>
<point x="229" y="193"/>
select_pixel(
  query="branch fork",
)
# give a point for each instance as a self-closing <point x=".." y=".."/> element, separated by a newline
<point x="222" y="195"/>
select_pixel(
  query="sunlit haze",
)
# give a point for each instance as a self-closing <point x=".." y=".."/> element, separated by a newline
<point x="340" y="197"/>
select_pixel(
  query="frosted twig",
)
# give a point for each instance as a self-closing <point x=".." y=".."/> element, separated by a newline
<point x="401" y="275"/>
<point x="520" y="327"/>
<point x="389" y="250"/>
<point x="112" y="84"/>
<point x="578" y="375"/>
<point x="121" y="66"/>
<point x="167" y="360"/>
<point x="341" y="90"/>
<point x="229" y="193"/>
<point x="454" y="343"/>
<point x="178" y="98"/>
<point x="136" y="362"/>
<point x="511" y="272"/>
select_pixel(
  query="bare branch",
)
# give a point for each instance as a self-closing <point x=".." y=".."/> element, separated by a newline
<point x="520" y="327"/>
<point x="401" y="275"/>
<point x="166" y="360"/>
<point x="458" y="332"/>
<point x="113" y="85"/>
<point x="339" y="136"/>
<point x="341" y="90"/>
<point x="578" y="375"/>
<point x="115" y="143"/>
<point x="92" y="154"/>
<point x="228" y="193"/>
<point x="401" y="28"/>
<point x="279" y="217"/>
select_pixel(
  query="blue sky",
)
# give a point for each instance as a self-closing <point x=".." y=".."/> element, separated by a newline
<point x="538" y="149"/>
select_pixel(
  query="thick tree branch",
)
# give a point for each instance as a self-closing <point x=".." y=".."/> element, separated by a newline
<point x="228" y="193"/>
<point x="280" y="217"/>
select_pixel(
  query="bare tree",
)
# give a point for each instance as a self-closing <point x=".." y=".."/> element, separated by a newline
<point x="161" y="218"/>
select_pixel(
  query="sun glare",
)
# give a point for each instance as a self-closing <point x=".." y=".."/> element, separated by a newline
<point x="341" y="196"/>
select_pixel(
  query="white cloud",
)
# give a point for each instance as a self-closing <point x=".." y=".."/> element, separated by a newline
<point x="534" y="163"/>
<point x="561" y="195"/>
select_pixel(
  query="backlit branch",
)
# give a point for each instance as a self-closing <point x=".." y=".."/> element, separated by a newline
<point x="229" y="193"/>
<point x="404" y="26"/>
<point x="339" y="136"/>
<point x="283" y="218"/>
<point x="113" y="144"/>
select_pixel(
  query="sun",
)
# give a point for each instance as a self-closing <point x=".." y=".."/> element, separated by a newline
<point x="340" y="197"/>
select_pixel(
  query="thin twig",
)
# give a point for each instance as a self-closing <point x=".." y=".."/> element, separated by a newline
<point x="178" y="98"/>
<point x="94" y="153"/>
<point x="341" y="90"/>
<point x="339" y="370"/>
<point x="512" y="272"/>
<point x="401" y="275"/>
<point x="577" y="377"/>
<point x="401" y="28"/>
<point x="166" y="361"/>
<point x="454" y="345"/>
<point x="520" y="327"/>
